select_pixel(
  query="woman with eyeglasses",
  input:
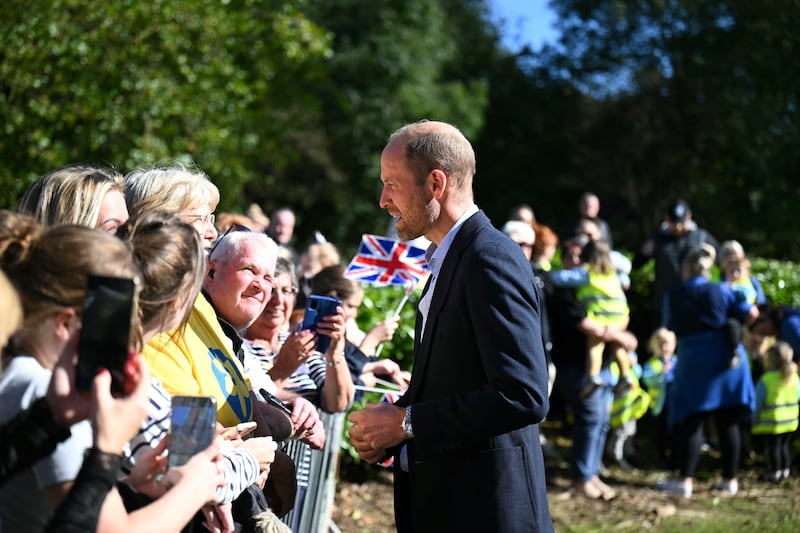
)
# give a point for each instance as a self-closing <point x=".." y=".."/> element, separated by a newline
<point x="199" y="358"/>
<point x="183" y="190"/>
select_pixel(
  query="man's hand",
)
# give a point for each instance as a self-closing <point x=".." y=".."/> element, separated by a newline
<point x="218" y="518"/>
<point x="375" y="429"/>
<point x="624" y="338"/>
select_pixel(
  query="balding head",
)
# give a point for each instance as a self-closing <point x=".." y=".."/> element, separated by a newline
<point x="431" y="144"/>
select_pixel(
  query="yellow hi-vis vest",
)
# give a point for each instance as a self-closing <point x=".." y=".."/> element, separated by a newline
<point x="656" y="390"/>
<point x="630" y="406"/>
<point x="780" y="412"/>
<point x="604" y="299"/>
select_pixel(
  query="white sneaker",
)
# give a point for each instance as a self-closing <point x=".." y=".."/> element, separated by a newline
<point x="727" y="486"/>
<point x="675" y="487"/>
<point x="786" y="473"/>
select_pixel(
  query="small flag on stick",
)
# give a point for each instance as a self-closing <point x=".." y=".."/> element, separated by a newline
<point x="384" y="261"/>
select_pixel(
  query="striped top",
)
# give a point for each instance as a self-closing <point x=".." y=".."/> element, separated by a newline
<point x="241" y="466"/>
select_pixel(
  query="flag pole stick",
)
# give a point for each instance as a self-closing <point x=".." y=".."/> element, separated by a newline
<point x="388" y="384"/>
<point x="409" y="290"/>
<point x="372" y="389"/>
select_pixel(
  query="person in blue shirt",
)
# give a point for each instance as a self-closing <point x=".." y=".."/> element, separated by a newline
<point x="707" y="380"/>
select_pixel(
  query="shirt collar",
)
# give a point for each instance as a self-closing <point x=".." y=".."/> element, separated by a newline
<point x="435" y="254"/>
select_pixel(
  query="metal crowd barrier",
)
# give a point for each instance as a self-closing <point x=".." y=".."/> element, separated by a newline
<point x="314" y="506"/>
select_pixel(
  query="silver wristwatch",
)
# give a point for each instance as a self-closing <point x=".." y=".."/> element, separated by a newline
<point x="407" y="424"/>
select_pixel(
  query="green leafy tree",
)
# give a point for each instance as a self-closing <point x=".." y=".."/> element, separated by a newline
<point x="685" y="98"/>
<point x="137" y="82"/>
<point x="391" y="63"/>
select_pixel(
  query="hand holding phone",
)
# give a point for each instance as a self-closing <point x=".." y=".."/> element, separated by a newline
<point x="193" y="426"/>
<point x="239" y="430"/>
<point x="317" y="308"/>
<point x="105" y="339"/>
<point x="275" y="402"/>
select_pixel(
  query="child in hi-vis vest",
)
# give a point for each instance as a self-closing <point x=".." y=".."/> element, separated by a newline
<point x="657" y="374"/>
<point x="777" y="411"/>
<point x="598" y="288"/>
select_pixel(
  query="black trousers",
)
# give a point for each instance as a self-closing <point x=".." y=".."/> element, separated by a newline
<point x="689" y="439"/>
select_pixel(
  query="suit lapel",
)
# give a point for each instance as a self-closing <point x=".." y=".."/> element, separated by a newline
<point x="443" y="282"/>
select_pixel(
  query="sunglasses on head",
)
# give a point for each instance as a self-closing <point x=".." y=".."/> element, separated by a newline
<point x="232" y="228"/>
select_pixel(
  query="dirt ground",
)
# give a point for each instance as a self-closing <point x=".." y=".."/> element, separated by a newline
<point x="363" y="501"/>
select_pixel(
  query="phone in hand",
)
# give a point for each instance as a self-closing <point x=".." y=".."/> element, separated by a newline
<point x="317" y="308"/>
<point x="275" y="401"/>
<point x="105" y="339"/>
<point x="193" y="424"/>
<point x="239" y="430"/>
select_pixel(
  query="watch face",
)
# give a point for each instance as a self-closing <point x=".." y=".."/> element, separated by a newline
<point x="407" y="424"/>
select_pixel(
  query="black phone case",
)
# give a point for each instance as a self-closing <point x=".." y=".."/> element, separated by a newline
<point x="275" y="402"/>
<point x="105" y="337"/>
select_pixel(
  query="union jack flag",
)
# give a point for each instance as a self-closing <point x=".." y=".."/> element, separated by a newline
<point x="387" y="262"/>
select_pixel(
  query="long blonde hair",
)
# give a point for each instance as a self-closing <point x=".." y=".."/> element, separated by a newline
<point x="597" y="255"/>
<point x="70" y="195"/>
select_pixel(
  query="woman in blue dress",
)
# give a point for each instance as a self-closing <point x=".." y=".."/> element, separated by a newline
<point x="712" y="378"/>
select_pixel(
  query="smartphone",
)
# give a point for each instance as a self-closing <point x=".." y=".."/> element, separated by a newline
<point x="239" y="430"/>
<point x="193" y="423"/>
<point x="317" y="308"/>
<point x="109" y="309"/>
<point x="275" y="402"/>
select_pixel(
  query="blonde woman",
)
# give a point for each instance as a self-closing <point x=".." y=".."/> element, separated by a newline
<point x="77" y="194"/>
<point x="176" y="188"/>
<point x="52" y="285"/>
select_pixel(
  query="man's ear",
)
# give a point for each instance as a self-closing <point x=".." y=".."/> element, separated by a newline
<point x="438" y="182"/>
<point x="211" y="273"/>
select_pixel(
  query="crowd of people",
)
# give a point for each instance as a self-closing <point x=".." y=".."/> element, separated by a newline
<point x="500" y="330"/>
<point x="213" y="317"/>
<point x="217" y="310"/>
<point x="718" y="368"/>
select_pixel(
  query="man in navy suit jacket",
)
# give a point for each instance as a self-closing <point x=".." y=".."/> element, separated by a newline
<point x="465" y="435"/>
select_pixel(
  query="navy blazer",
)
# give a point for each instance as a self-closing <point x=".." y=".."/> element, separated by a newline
<point x="478" y="390"/>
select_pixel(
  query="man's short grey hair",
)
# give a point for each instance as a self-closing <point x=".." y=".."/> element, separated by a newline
<point x="514" y="228"/>
<point x="231" y="244"/>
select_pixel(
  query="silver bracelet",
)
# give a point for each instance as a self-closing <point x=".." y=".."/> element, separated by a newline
<point x="335" y="361"/>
